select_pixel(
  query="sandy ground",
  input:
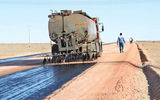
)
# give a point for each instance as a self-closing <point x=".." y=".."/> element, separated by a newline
<point x="152" y="67"/>
<point x="152" y="51"/>
<point x="116" y="76"/>
<point x="21" y="49"/>
<point x="20" y="65"/>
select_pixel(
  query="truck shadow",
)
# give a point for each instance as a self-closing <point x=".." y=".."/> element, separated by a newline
<point x="39" y="62"/>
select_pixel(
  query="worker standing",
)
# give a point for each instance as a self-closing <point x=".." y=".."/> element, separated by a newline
<point x="120" y="42"/>
<point x="131" y="40"/>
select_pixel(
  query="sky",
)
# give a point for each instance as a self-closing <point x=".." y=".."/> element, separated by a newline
<point x="139" y="19"/>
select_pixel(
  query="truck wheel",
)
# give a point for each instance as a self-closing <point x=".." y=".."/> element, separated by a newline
<point x="55" y="49"/>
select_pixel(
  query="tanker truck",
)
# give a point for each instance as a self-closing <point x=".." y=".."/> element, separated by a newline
<point x="75" y="36"/>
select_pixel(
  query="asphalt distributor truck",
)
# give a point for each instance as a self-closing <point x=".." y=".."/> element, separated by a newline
<point x="75" y="36"/>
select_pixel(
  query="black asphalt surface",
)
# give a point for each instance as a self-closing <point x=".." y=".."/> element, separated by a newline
<point x="39" y="82"/>
<point x="21" y="57"/>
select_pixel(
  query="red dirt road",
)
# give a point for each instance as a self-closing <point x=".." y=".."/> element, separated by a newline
<point x="116" y="76"/>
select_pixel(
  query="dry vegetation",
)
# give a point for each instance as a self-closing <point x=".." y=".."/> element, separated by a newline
<point x="21" y="49"/>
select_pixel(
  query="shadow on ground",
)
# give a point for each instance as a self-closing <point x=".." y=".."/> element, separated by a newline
<point x="152" y="77"/>
<point x="154" y="82"/>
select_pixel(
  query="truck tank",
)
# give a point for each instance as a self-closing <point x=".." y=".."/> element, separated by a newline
<point x="75" y="36"/>
<point x="79" y="24"/>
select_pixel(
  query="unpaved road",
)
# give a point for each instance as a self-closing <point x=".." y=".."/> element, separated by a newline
<point x="116" y="76"/>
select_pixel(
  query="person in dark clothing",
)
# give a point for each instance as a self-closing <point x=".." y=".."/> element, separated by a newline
<point x="120" y="42"/>
<point x="131" y="40"/>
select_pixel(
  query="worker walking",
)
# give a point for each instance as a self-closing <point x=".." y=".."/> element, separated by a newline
<point x="120" y="42"/>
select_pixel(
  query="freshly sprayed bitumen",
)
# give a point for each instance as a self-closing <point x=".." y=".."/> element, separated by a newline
<point x="37" y="83"/>
<point x="21" y="57"/>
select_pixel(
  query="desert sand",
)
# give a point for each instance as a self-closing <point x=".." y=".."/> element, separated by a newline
<point x="152" y="50"/>
<point x="20" y="65"/>
<point x="21" y="49"/>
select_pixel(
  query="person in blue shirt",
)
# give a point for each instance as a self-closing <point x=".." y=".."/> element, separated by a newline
<point x="120" y="42"/>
